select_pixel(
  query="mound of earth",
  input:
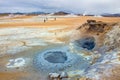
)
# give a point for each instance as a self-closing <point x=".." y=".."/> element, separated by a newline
<point x="101" y="41"/>
<point x="96" y="26"/>
<point x="61" y="13"/>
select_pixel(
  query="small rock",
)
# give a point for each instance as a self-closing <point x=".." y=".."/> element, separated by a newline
<point x="54" y="76"/>
<point x="63" y="75"/>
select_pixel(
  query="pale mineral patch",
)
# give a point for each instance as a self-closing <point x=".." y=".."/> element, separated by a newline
<point x="15" y="40"/>
<point x="13" y="63"/>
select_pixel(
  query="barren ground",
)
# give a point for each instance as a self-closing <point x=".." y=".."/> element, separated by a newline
<point x="24" y="36"/>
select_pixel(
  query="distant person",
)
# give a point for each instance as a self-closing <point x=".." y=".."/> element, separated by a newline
<point x="44" y="20"/>
<point x="55" y="18"/>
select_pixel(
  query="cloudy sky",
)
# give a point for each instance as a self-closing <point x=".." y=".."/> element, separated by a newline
<point x="74" y="6"/>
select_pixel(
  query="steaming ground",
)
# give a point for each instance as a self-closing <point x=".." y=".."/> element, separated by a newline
<point x="22" y="37"/>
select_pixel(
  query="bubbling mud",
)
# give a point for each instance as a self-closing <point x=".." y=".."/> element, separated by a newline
<point x="86" y="43"/>
<point x="55" y="57"/>
<point x="59" y="59"/>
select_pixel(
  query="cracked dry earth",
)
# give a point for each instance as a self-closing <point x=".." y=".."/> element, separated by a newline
<point x="29" y="48"/>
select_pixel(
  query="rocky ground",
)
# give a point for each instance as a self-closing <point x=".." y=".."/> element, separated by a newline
<point x="24" y="37"/>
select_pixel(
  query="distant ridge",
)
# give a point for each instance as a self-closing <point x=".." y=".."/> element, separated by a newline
<point x="19" y="13"/>
<point x="111" y="15"/>
<point x="37" y="13"/>
<point x="61" y="13"/>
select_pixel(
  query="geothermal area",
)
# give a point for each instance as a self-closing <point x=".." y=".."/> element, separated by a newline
<point x="55" y="47"/>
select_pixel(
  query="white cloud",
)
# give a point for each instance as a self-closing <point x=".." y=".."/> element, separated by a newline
<point x="77" y="6"/>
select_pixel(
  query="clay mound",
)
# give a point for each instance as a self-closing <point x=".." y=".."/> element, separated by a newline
<point x="100" y="31"/>
<point x="96" y="26"/>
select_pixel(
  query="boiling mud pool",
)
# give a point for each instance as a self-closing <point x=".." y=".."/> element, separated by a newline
<point x="58" y="60"/>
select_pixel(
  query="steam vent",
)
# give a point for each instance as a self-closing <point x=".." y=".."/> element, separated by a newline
<point x="59" y="59"/>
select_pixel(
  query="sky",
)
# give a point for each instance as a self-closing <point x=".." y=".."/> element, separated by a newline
<point x="72" y="6"/>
